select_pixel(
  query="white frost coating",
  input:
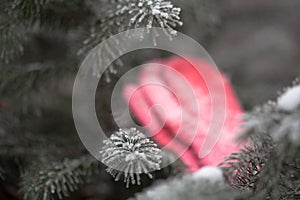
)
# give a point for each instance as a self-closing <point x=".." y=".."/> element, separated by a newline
<point x="209" y="173"/>
<point x="151" y="13"/>
<point x="290" y="128"/>
<point x="290" y="100"/>
<point x="130" y="153"/>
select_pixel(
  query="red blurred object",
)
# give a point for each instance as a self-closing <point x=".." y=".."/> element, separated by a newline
<point x="170" y="89"/>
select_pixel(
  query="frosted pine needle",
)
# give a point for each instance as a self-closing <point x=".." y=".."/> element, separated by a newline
<point x="150" y="13"/>
<point x="129" y="152"/>
<point x="125" y="15"/>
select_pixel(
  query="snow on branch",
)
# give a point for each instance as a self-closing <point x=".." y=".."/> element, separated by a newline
<point x="58" y="180"/>
<point x="129" y="152"/>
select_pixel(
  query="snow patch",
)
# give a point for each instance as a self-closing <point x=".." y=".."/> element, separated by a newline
<point x="290" y="129"/>
<point x="290" y="100"/>
<point x="209" y="173"/>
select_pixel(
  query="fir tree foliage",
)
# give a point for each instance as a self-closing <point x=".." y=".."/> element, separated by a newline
<point x="125" y="15"/>
<point x="11" y="41"/>
<point x="59" y="179"/>
<point x="242" y="168"/>
<point x="152" y="13"/>
<point x="30" y="31"/>
<point x="20" y="18"/>
<point x="269" y="165"/>
<point x="13" y="28"/>
<point x="267" y="168"/>
<point x="29" y="9"/>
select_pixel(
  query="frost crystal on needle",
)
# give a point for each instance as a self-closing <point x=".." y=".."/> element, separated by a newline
<point x="153" y="13"/>
<point x="129" y="152"/>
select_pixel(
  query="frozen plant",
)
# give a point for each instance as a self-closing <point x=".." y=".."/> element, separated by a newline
<point x="131" y="153"/>
<point x="153" y="13"/>
<point x="124" y="15"/>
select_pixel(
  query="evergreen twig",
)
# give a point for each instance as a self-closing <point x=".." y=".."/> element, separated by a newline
<point x="59" y="179"/>
<point x="129" y="14"/>
<point x="268" y="166"/>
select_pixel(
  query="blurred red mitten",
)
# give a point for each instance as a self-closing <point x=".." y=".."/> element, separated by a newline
<point x="175" y="104"/>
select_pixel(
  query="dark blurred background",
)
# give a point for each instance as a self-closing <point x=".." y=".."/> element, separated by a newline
<point x="255" y="42"/>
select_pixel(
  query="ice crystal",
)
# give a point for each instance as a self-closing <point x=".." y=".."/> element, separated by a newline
<point x="129" y="152"/>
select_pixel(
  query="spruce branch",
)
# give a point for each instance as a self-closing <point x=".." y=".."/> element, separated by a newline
<point x="15" y="16"/>
<point x="268" y="167"/>
<point x="129" y="14"/>
<point x="55" y="15"/>
<point x="129" y="152"/>
<point x="19" y="17"/>
<point x="11" y="40"/>
<point x="154" y="13"/>
<point x="49" y="13"/>
<point x="125" y="15"/>
<point x="99" y="33"/>
<point x="20" y="80"/>
<point x="29" y="9"/>
<point x="22" y="86"/>
<point x="59" y="179"/>
<point x="242" y="169"/>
